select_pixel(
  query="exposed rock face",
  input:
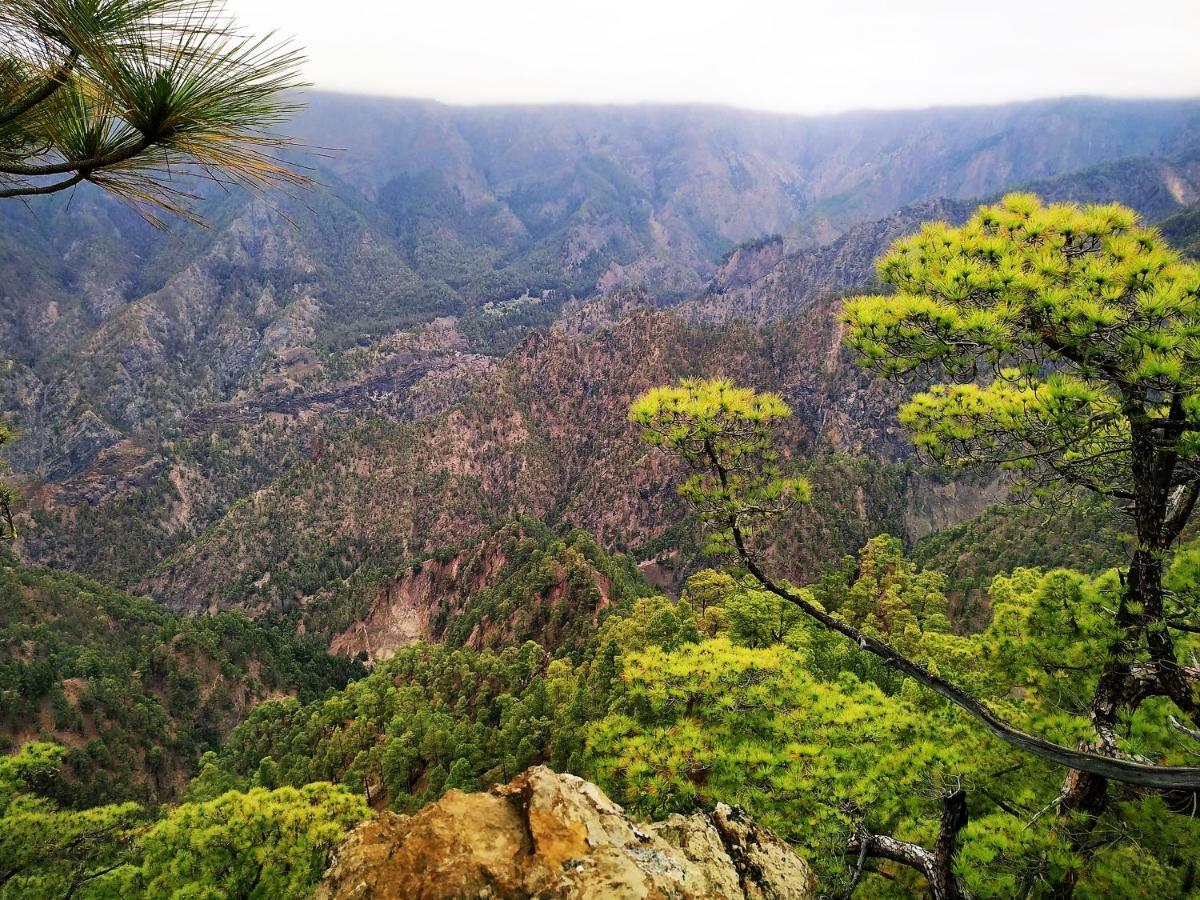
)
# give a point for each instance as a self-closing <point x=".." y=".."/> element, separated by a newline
<point x="747" y="263"/>
<point x="549" y="592"/>
<point x="557" y="836"/>
<point x="402" y="611"/>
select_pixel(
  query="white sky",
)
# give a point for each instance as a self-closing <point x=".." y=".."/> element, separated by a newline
<point x="783" y="55"/>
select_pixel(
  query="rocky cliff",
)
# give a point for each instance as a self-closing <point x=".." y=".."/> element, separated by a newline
<point x="558" y="837"/>
<point x="518" y="583"/>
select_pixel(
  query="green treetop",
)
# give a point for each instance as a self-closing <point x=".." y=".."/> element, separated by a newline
<point x="725" y="434"/>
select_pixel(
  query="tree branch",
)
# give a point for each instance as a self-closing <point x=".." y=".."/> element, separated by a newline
<point x="936" y="865"/>
<point x="56" y="80"/>
<point x="1183" y="729"/>
<point x="112" y="158"/>
<point x="1165" y="778"/>
<point x="33" y="191"/>
<point x="1182" y="503"/>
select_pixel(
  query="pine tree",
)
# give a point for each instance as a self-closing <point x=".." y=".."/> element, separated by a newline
<point x="1079" y="332"/>
<point x="1089" y="328"/>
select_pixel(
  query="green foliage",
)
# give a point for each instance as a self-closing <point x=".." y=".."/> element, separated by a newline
<point x="719" y="722"/>
<point x="676" y="706"/>
<point x="258" y="844"/>
<point x="725" y="434"/>
<point x="136" y="691"/>
<point x="796" y="729"/>
<point x="47" y="851"/>
<point x="1085" y="534"/>
<point x="1087" y="321"/>
<point x="900" y="613"/>
<point x="1076" y="335"/>
<point x="427" y="713"/>
<point x="433" y="716"/>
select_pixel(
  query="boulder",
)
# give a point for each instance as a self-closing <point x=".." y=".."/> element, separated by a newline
<point x="555" y="836"/>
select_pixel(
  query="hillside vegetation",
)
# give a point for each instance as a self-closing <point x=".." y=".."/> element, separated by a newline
<point x="714" y="457"/>
<point x="134" y="692"/>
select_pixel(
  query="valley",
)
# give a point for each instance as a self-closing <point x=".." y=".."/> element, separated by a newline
<point x="341" y="494"/>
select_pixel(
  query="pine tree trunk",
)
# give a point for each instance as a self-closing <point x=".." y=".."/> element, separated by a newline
<point x="1085" y="796"/>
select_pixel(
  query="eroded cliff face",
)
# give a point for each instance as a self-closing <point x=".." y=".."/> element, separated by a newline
<point x="558" y="837"/>
<point x="404" y="607"/>
<point x="509" y="587"/>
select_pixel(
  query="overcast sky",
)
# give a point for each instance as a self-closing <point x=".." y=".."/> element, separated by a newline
<point x="783" y="55"/>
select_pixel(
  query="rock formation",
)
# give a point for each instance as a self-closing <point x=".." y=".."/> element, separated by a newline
<point x="549" y="836"/>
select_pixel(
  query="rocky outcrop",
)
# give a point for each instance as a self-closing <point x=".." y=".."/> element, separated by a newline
<point x="550" y="836"/>
<point x="747" y="263"/>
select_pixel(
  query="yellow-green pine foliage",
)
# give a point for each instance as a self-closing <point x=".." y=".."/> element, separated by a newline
<point x="1060" y="311"/>
<point x="795" y="728"/>
<point x="724" y="433"/>
<point x="258" y="844"/>
<point x="47" y="851"/>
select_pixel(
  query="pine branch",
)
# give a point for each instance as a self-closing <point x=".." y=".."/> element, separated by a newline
<point x="936" y="865"/>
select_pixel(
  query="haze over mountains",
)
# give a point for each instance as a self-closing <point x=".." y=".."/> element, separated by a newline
<point x="246" y="414"/>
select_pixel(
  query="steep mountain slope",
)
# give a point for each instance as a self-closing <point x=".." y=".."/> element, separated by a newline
<point x="730" y="175"/>
<point x="1080" y="533"/>
<point x="145" y="496"/>
<point x="1183" y="230"/>
<point x="116" y="329"/>
<point x="264" y="287"/>
<point x="518" y="583"/>
<point x="757" y="284"/>
<point x="135" y="692"/>
<point x="543" y="435"/>
<point x="546" y="436"/>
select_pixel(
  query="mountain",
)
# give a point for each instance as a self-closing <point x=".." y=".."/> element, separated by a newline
<point x="760" y="282"/>
<point x="386" y="453"/>
<point x="249" y="414"/>
<point x="342" y="488"/>
<point x="1183" y="230"/>
<point x="545" y="435"/>
<point x="119" y="330"/>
